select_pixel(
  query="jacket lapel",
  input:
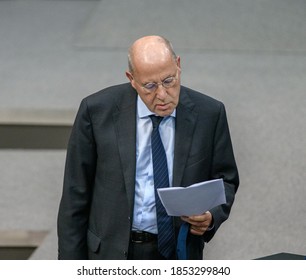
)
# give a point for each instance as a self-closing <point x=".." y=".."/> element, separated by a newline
<point x="185" y="124"/>
<point x="125" y="125"/>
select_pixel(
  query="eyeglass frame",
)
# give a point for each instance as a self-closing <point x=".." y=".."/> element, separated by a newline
<point x="175" y="78"/>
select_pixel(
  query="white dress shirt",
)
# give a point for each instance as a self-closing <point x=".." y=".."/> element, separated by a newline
<point x="144" y="206"/>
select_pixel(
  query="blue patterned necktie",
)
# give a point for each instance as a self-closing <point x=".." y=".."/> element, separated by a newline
<point x="166" y="237"/>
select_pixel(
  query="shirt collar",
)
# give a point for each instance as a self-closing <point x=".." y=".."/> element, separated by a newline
<point x="143" y="110"/>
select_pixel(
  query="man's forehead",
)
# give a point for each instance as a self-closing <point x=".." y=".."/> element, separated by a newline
<point x="150" y="52"/>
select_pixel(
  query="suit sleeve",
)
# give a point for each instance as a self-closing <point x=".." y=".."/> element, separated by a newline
<point x="77" y="188"/>
<point x="223" y="166"/>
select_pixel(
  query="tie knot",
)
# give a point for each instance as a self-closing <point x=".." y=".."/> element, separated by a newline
<point x="156" y="120"/>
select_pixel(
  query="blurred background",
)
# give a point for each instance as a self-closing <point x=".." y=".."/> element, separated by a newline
<point x="250" y="54"/>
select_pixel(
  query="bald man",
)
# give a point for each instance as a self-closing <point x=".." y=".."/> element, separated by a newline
<point x="109" y="206"/>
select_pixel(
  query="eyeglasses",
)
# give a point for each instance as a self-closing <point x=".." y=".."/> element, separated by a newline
<point x="151" y="87"/>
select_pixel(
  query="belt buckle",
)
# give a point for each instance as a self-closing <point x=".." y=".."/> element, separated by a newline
<point x="137" y="241"/>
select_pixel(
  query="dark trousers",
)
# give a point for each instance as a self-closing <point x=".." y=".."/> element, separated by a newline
<point x="145" y="251"/>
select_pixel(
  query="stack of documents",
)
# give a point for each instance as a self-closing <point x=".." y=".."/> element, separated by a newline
<point x="193" y="200"/>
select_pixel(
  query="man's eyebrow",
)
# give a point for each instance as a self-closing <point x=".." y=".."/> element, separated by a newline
<point x="168" y="76"/>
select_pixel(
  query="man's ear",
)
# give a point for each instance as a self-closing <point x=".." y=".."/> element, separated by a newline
<point x="178" y="62"/>
<point x="129" y="76"/>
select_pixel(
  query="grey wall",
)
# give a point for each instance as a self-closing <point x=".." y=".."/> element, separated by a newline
<point x="249" y="54"/>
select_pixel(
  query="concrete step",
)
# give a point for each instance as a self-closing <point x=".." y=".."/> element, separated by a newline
<point x="35" y="129"/>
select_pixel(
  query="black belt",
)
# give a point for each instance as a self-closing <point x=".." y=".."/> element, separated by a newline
<point x="142" y="237"/>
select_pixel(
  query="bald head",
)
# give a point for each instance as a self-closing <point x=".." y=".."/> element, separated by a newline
<point x="149" y="50"/>
<point x="154" y="72"/>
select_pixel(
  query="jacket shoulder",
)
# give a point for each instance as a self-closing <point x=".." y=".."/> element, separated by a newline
<point x="110" y="98"/>
<point x="108" y="94"/>
<point x="200" y="101"/>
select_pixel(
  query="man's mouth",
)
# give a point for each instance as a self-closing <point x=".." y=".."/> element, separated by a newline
<point x="162" y="106"/>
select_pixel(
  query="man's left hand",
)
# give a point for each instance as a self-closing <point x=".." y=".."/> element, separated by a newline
<point x="199" y="223"/>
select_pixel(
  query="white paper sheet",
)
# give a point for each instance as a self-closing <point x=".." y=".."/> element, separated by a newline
<point x="193" y="200"/>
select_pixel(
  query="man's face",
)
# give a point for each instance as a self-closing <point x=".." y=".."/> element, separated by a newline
<point x="152" y="85"/>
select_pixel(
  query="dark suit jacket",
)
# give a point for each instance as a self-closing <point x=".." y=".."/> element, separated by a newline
<point x="96" y="209"/>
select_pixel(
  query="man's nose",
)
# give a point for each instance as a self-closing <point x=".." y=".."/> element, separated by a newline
<point x="161" y="92"/>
